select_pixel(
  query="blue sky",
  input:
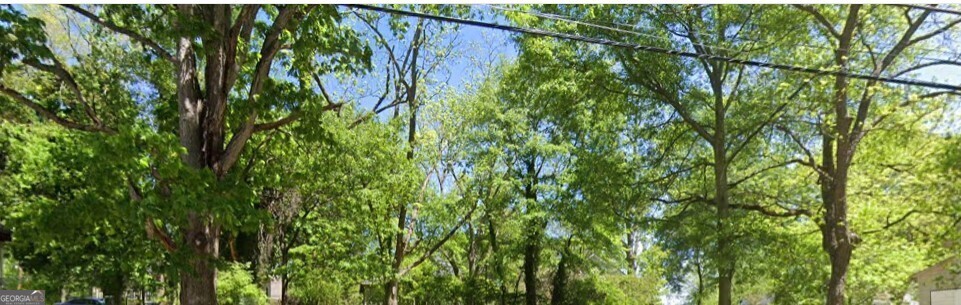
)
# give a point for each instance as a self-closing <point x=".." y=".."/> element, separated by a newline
<point x="475" y="44"/>
<point x="473" y="49"/>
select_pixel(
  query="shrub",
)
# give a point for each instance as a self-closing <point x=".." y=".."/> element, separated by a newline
<point x="235" y="286"/>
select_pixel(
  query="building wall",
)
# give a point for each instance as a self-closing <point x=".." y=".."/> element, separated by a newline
<point x="942" y="276"/>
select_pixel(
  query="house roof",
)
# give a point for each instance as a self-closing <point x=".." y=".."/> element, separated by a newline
<point x="939" y="266"/>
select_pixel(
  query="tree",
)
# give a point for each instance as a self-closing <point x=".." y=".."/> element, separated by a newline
<point x="215" y="64"/>
<point x="709" y="98"/>
<point x="839" y="133"/>
<point x="409" y="69"/>
<point x="61" y="236"/>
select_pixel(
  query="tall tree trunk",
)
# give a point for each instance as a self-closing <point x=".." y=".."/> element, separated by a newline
<point x="532" y="247"/>
<point x="700" y="280"/>
<point x="498" y="260"/>
<point x="284" y="283"/>
<point x="197" y="284"/>
<point x="202" y="134"/>
<point x="392" y="288"/>
<point x="532" y="251"/>
<point x="838" y="147"/>
<point x="725" y="252"/>
<point x="837" y="239"/>
<point x="113" y="289"/>
<point x="470" y="297"/>
<point x="629" y="256"/>
<point x="393" y="292"/>
<point x="725" y="284"/>
<point x="559" y="292"/>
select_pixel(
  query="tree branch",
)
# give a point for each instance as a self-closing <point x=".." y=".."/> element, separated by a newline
<point x="16" y="96"/>
<point x="754" y="174"/>
<point x="293" y="116"/>
<point x="440" y="243"/>
<point x="820" y="18"/>
<point x="681" y="110"/>
<point x="865" y="102"/>
<point x="61" y="73"/>
<point x="133" y="35"/>
<point x="771" y="118"/>
<point x="152" y="230"/>
<point x="240" y="31"/>
<point x="772" y="213"/>
<point x="925" y="65"/>
<point x="270" y="47"/>
<point x="888" y="224"/>
<point x="937" y="32"/>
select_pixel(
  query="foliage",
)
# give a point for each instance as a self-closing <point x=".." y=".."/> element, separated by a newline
<point x="165" y="147"/>
<point x="235" y="286"/>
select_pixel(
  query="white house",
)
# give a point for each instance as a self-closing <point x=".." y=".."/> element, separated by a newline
<point x="940" y="284"/>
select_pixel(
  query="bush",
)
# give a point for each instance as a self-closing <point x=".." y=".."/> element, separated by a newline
<point x="314" y="290"/>
<point x="235" y="286"/>
<point x="613" y="290"/>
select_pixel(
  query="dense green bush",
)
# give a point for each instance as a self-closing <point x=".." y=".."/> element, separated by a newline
<point x="235" y="286"/>
<point x="312" y="289"/>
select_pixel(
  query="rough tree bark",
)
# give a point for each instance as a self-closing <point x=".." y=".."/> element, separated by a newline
<point x="721" y="195"/>
<point x="532" y="251"/>
<point x="498" y="260"/>
<point x="392" y="288"/>
<point x="839" y="140"/>
<point x="114" y="288"/>
<point x="559" y="293"/>
<point x="839" y="144"/>
<point x="532" y="246"/>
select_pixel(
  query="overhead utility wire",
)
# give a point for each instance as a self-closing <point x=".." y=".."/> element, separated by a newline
<point x="651" y="49"/>
<point x="931" y="8"/>
<point x="618" y="29"/>
<point x="603" y="27"/>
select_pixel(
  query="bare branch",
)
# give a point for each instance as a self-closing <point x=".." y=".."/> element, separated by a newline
<point x="20" y="98"/>
<point x="937" y="32"/>
<point x="293" y="116"/>
<point x="382" y="40"/>
<point x="771" y="118"/>
<point x="129" y="33"/>
<point x="320" y="84"/>
<point x="888" y="224"/>
<point x="754" y="174"/>
<point x="927" y="64"/>
<point x="441" y="242"/>
<point x="61" y="73"/>
<point x="820" y="18"/>
<point x="763" y="210"/>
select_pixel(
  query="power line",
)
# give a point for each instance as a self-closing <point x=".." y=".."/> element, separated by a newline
<point x="603" y="27"/>
<point x="617" y="28"/>
<point x="931" y="8"/>
<point x="651" y="49"/>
